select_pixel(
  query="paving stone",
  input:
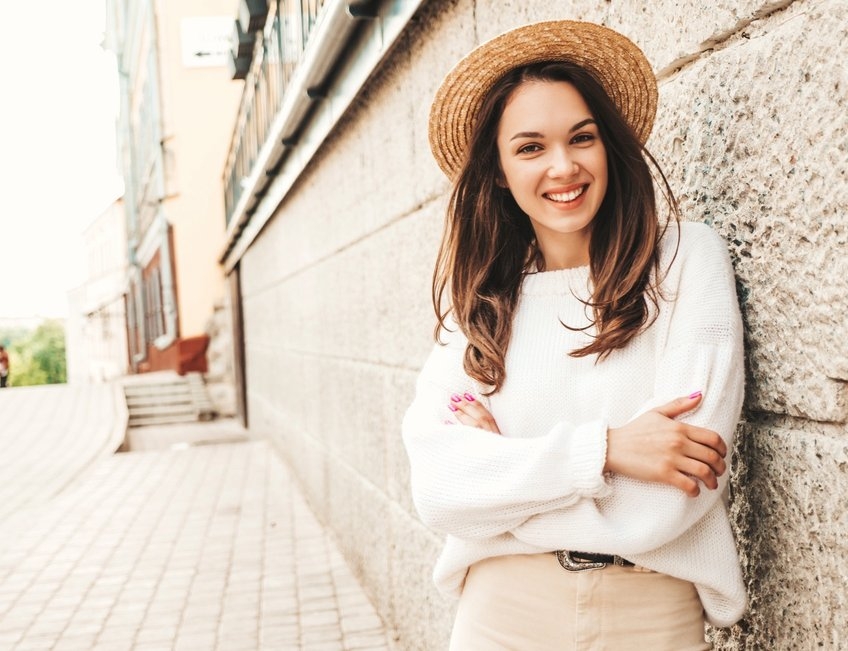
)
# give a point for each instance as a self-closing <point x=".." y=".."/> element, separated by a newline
<point x="209" y="547"/>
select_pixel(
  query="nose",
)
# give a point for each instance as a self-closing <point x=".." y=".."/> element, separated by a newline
<point x="562" y="164"/>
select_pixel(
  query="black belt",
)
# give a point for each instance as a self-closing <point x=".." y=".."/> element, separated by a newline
<point x="579" y="561"/>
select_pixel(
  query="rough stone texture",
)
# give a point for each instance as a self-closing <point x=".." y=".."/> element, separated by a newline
<point x="751" y="132"/>
<point x="493" y="18"/>
<point x="673" y="33"/>
<point x="754" y="140"/>
<point x="789" y="510"/>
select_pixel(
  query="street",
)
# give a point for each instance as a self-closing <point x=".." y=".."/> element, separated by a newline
<point x="205" y="544"/>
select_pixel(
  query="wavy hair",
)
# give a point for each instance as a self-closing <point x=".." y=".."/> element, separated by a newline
<point x="489" y="244"/>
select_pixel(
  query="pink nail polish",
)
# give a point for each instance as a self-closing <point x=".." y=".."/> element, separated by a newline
<point x="455" y="397"/>
<point x="469" y="397"/>
<point x="453" y="407"/>
<point x="696" y="394"/>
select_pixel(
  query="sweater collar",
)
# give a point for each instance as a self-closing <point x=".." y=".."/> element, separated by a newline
<point x="574" y="280"/>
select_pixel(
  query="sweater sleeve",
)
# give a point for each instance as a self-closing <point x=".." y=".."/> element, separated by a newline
<point x="474" y="484"/>
<point x="702" y="350"/>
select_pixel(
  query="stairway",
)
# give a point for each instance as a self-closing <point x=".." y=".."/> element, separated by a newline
<point x="161" y="399"/>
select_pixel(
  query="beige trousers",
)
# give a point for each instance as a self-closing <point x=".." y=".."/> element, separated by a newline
<point x="530" y="603"/>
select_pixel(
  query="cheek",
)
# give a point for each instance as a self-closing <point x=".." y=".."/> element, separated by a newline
<point x="517" y="177"/>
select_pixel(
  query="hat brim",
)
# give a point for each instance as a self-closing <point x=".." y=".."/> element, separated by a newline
<point x="615" y="61"/>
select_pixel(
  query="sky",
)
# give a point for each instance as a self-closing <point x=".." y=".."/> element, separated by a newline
<point x="57" y="149"/>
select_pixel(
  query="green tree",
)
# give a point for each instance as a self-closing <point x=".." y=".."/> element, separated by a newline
<point x="38" y="356"/>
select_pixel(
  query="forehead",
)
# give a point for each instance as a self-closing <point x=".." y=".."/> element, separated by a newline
<point x="540" y="101"/>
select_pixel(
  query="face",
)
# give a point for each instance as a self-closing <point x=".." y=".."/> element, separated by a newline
<point x="555" y="165"/>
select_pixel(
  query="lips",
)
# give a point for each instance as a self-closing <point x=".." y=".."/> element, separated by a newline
<point x="566" y="197"/>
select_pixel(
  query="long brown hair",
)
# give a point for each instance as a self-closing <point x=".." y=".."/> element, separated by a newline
<point x="489" y="244"/>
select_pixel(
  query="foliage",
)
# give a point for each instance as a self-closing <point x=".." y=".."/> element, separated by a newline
<point x="36" y="356"/>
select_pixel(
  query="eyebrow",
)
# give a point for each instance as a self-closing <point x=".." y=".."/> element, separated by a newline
<point x="536" y="134"/>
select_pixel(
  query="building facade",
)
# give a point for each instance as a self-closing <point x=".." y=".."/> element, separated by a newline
<point x="177" y="103"/>
<point x="335" y="210"/>
<point x="96" y="328"/>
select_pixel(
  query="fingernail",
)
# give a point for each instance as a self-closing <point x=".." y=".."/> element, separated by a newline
<point x="453" y="407"/>
<point x="455" y="397"/>
<point x="696" y="394"/>
<point x="469" y="397"/>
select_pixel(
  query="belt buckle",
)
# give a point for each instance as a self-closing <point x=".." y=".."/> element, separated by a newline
<point x="568" y="562"/>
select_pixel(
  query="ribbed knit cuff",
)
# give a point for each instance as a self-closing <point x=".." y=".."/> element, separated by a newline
<point x="587" y="458"/>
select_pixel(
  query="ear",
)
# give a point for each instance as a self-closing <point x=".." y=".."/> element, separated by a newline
<point x="500" y="180"/>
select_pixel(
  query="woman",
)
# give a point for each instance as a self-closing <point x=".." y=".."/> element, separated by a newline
<point x="570" y="429"/>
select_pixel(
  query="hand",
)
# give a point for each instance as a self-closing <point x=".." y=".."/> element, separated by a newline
<point x="469" y="411"/>
<point x="655" y="447"/>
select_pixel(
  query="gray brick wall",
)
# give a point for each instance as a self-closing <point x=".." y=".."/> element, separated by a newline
<point x="752" y="133"/>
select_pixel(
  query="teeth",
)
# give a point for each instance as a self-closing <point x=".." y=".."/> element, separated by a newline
<point x="566" y="196"/>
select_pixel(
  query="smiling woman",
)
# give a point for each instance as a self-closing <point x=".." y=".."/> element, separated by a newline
<point x="570" y="435"/>
<point x="554" y="164"/>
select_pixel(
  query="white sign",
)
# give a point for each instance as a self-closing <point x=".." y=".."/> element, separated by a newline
<point x="206" y="41"/>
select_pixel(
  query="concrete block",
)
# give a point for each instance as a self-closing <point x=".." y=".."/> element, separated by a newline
<point x="400" y="385"/>
<point x="359" y="514"/>
<point x="493" y="18"/>
<point x="789" y="512"/>
<point x="368" y="302"/>
<point x="773" y="184"/>
<point x="422" y="616"/>
<point x="673" y="33"/>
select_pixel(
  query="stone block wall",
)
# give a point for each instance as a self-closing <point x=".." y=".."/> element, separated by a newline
<point x="753" y="135"/>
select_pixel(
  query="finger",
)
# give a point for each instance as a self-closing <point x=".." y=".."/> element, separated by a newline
<point x="708" y="438"/>
<point x="680" y="406"/>
<point x="707" y="455"/>
<point x="472" y="421"/>
<point x="480" y="415"/>
<point x="701" y="471"/>
<point x="687" y="484"/>
<point x="465" y="419"/>
<point x="469" y="406"/>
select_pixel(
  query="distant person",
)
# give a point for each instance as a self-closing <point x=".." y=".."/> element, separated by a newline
<point x="4" y="366"/>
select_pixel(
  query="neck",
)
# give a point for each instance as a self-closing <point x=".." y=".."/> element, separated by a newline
<point x="564" y="257"/>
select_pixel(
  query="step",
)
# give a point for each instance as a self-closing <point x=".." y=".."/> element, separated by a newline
<point x="171" y="401"/>
<point x="186" y="408"/>
<point x="159" y="400"/>
<point x="157" y="389"/>
<point x="162" y="420"/>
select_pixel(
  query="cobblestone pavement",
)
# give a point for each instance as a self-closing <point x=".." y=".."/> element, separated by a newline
<point x="202" y="548"/>
<point x="51" y="434"/>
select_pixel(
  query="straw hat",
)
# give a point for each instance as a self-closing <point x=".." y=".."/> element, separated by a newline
<point x="617" y="63"/>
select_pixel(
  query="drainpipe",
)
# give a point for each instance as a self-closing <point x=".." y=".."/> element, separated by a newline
<point x="169" y="306"/>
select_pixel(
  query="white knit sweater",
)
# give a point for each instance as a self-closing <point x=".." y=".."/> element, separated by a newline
<point x="540" y="487"/>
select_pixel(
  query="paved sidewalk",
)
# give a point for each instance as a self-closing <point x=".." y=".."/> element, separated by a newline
<point x="206" y="547"/>
<point x="50" y="435"/>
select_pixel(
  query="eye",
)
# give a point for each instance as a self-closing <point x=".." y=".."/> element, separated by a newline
<point x="583" y="138"/>
<point x="530" y="148"/>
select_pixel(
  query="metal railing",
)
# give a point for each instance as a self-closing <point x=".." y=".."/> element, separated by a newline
<point x="280" y="47"/>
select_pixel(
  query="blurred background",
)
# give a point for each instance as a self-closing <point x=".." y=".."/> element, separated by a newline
<point x="58" y="170"/>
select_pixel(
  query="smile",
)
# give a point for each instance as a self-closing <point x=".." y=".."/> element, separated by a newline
<point x="565" y="197"/>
